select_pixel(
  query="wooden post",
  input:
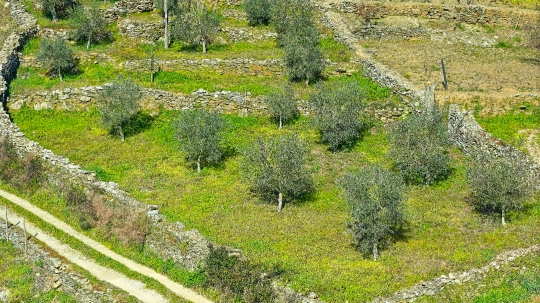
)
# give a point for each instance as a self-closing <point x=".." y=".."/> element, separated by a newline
<point x="445" y="82"/>
<point x="7" y="226"/>
<point x="25" y="239"/>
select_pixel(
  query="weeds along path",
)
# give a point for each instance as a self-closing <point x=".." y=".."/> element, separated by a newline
<point x="133" y="287"/>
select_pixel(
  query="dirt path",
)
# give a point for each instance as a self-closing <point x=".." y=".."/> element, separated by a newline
<point x="135" y="288"/>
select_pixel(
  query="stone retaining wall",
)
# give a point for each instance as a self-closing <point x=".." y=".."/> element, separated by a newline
<point x="470" y="14"/>
<point x="469" y="137"/>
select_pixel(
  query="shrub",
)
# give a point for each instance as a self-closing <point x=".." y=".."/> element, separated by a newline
<point x="338" y="110"/>
<point x="26" y="173"/>
<point x="257" y="11"/>
<point x="375" y="197"/>
<point x="498" y="184"/>
<point x="236" y="279"/>
<point x="419" y="146"/>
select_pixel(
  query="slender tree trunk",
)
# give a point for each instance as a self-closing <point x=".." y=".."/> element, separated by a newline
<point x="280" y="202"/>
<point x="121" y="133"/>
<point x="199" y="164"/>
<point x="375" y="251"/>
<point x="280" y="122"/>
<point x="166" y="37"/>
<point x="60" y="75"/>
<point x="502" y="217"/>
<point x="204" y="46"/>
<point x="53" y="14"/>
<point x="88" y="43"/>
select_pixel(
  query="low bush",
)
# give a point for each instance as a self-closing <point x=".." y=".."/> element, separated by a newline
<point x="26" y="173"/>
<point x="236" y="279"/>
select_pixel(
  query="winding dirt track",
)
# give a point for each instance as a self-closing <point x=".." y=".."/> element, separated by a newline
<point x="133" y="287"/>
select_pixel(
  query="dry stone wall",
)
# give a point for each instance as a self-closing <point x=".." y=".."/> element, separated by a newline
<point x="432" y="287"/>
<point x="469" y="137"/>
<point x="470" y="14"/>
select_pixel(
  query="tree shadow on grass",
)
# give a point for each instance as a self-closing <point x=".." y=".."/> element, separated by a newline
<point x="140" y="122"/>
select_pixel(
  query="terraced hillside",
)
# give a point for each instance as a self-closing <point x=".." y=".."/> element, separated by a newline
<point x="307" y="246"/>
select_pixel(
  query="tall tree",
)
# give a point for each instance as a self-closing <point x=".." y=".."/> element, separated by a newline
<point x="375" y="197"/>
<point x="338" y="110"/>
<point x="199" y="135"/>
<point x="118" y="103"/>
<point x="282" y="105"/>
<point x="419" y="146"/>
<point x="498" y="184"/>
<point x="276" y="169"/>
<point x="89" y="24"/>
<point x="196" y="26"/>
<point x="56" y="56"/>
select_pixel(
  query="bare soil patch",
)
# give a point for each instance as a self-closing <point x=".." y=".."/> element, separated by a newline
<point x="491" y="68"/>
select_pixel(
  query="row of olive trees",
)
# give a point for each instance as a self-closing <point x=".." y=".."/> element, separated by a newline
<point x="278" y="170"/>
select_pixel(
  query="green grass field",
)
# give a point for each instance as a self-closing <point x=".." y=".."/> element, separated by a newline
<point x="308" y="240"/>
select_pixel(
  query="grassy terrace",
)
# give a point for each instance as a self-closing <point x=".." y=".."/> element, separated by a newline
<point x="308" y="240"/>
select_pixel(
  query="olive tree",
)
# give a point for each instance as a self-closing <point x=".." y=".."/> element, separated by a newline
<point x="289" y="17"/>
<point x="299" y="37"/>
<point x="304" y="60"/>
<point x="55" y="7"/>
<point x="375" y="197"/>
<point x="56" y="56"/>
<point x="199" y="133"/>
<point x="258" y="11"/>
<point x="338" y="110"/>
<point x="118" y="103"/>
<point x="90" y="25"/>
<point x="196" y="26"/>
<point x="282" y="105"/>
<point x="419" y="146"/>
<point x="276" y="169"/>
<point x="498" y="184"/>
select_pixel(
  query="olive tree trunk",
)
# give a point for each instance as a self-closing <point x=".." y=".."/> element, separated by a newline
<point x="502" y="217"/>
<point x="375" y="251"/>
<point x="199" y="164"/>
<point x="280" y="202"/>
